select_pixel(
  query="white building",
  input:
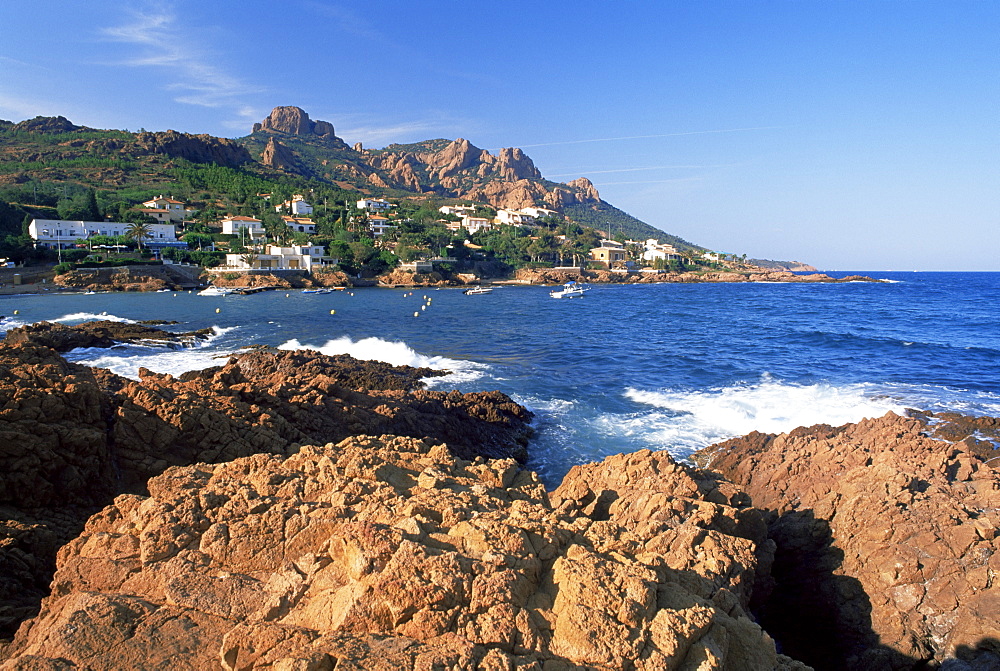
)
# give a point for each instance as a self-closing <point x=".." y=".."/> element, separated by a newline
<point x="55" y="233"/>
<point x="380" y="225"/>
<point x="297" y="206"/>
<point x="174" y="208"/>
<point x="295" y="257"/>
<point x="300" y="225"/>
<point x="475" y="224"/>
<point x="457" y="210"/>
<point x="374" y="204"/>
<point x="654" y="250"/>
<point x="233" y="226"/>
<point x="538" y="212"/>
<point x="514" y="217"/>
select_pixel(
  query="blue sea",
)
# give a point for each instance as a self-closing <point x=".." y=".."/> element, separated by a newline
<point x="663" y="366"/>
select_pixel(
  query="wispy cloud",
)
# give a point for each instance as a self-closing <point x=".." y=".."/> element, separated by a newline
<point x="646" y="137"/>
<point x="8" y="62"/>
<point x="345" y="20"/>
<point x="165" y="43"/>
<point x="25" y="108"/>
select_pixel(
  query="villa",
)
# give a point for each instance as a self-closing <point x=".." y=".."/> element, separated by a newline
<point x="233" y="226"/>
<point x="374" y="204"/>
<point x="294" y="257"/>
<point x="63" y="234"/>
<point x="300" y="225"/>
<point x="174" y="209"/>
<point x="297" y="206"/>
<point x="608" y="254"/>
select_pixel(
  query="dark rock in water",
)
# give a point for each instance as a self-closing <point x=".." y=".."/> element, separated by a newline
<point x="64" y="338"/>
<point x="886" y="538"/>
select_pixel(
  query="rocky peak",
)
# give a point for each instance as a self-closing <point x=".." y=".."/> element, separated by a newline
<point x="589" y="191"/>
<point x="294" y="121"/>
<point x="512" y="163"/>
<point x="276" y="155"/>
<point x="47" y="124"/>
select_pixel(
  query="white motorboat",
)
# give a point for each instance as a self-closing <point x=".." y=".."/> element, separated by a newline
<point x="478" y="290"/>
<point x="322" y="290"/>
<point x="215" y="291"/>
<point x="569" y="290"/>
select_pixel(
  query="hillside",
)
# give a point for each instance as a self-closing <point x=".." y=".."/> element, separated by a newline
<point x="47" y="163"/>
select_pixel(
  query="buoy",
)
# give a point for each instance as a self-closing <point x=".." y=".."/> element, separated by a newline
<point x="287" y="295"/>
<point x="218" y="310"/>
<point x="423" y="307"/>
<point x="175" y="295"/>
<point x="416" y="314"/>
<point x="333" y="312"/>
<point x="425" y="296"/>
<point x="16" y="311"/>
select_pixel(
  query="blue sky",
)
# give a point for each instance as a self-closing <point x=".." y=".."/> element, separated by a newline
<point x="849" y="135"/>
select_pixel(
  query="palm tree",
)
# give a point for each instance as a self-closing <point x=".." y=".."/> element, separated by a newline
<point x="138" y="231"/>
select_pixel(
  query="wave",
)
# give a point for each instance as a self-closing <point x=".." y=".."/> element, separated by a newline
<point x="126" y="360"/>
<point x="682" y="422"/>
<point x="92" y="316"/>
<point x="397" y="353"/>
<point x="768" y="406"/>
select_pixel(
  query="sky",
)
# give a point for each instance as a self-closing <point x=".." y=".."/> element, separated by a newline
<point x="851" y="135"/>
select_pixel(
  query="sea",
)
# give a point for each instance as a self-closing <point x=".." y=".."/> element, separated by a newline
<point x="671" y="367"/>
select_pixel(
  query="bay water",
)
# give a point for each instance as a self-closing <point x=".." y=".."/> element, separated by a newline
<point x="658" y="366"/>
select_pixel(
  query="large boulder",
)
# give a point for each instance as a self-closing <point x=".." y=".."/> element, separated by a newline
<point x="886" y="538"/>
<point x="389" y="553"/>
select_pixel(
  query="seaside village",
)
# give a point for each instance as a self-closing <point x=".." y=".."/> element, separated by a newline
<point x="249" y="246"/>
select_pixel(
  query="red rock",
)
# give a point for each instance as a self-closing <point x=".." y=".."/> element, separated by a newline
<point x="885" y="538"/>
<point x="385" y="553"/>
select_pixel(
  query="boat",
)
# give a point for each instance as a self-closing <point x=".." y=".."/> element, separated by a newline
<point x="478" y="290"/>
<point x="215" y="291"/>
<point x="571" y="289"/>
<point x="322" y="290"/>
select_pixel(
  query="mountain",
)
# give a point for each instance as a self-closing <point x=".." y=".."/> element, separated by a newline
<point x="285" y="151"/>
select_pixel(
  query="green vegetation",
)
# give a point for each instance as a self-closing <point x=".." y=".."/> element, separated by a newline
<point x="93" y="175"/>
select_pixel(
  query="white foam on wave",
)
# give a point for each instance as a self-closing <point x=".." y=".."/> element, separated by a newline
<point x="698" y="418"/>
<point x="92" y="316"/>
<point x="126" y="359"/>
<point x="397" y="353"/>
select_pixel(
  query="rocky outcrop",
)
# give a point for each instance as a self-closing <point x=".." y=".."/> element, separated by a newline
<point x="47" y="124"/>
<point x="63" y="338"/>
<point x="294" y="121"/>
<point x="547" y="276"/>
<point x="276" y="155"/>
<point x="129" y="278"/>
<point x="886" y="538"/>
<point x="73" y="437"/>
<point x="389" y="553"/>
<point x="197" y="148"/>
<point x="462" y="170"/>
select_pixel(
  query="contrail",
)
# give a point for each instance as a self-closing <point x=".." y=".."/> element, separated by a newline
<point x="646" y="137"/>
<point x="655" y="167"/>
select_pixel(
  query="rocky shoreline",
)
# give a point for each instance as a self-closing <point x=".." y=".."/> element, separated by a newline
<point x="171" y="278"/>
<point x="288" y="510"/>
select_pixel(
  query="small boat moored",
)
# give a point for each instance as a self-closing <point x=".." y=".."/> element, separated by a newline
<point x="571" y="289"/>
<point x="215" y="291"/>
<point x="478" y="290"/>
